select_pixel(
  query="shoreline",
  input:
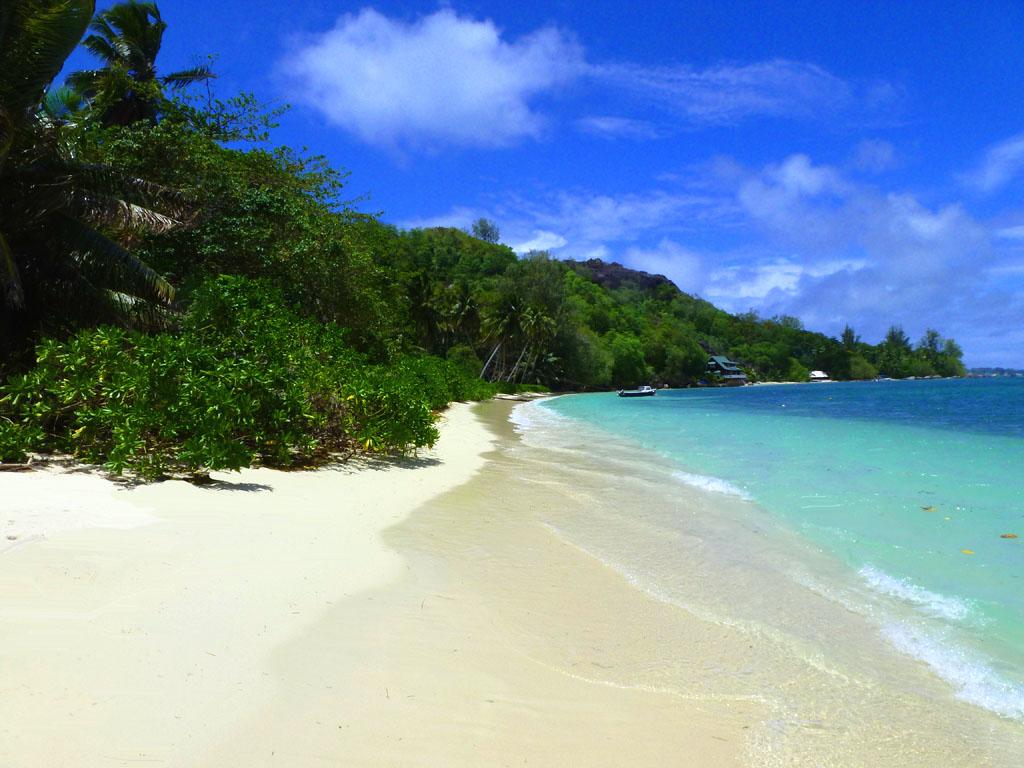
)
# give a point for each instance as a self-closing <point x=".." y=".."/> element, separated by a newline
<point x="494" y="647"/>
<point x="460" y="613"/>
<point x="755" y="574"/>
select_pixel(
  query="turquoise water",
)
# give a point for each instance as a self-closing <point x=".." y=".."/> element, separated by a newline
<point x="910" y="485"/>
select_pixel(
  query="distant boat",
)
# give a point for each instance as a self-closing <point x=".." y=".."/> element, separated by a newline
<point x="644" y="391"/>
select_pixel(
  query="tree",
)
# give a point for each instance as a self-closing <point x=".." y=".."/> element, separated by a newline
<point x="486" y="230"/>
<point x="896" y="339"/>
<point x="628" y="366"/>
<point x="951" y="349"/>
<point x="685" y="363"/>
<point x="931" y="342"/>
<point x="796" y="372"/>
<point x="861" y="368"/>
<point x="61" y="217"/>
<point x="790" y="322"/>
<point x="35" y="38"/>
<point x="850" y="339"/>
<point x="127" y="39"/>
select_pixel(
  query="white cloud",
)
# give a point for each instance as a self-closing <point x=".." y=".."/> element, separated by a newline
<point x="460" y="216"/>
<point x="441" y="79"/>
<point x="587" y="220"/>
<point x="682" y="266"/>
<point x="541" y="241"/>
<point x="1002" y="162"/>
<point x="617" y="127"/>
<point x="735" y="287"/>
<point x="445" y="79"/>
<point x="728" y="93"/>
<point x="1011" y="233"/>
<point x="859" y="254"/>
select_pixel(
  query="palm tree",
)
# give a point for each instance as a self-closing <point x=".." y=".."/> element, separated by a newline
<point x="35" y="39"/>
<point x="127" y="39"/>
<point x="60" y="218"/>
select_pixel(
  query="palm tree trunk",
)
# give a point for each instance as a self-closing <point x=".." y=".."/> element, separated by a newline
<point x="515" y="367"/>
<point x="490" y="359"/>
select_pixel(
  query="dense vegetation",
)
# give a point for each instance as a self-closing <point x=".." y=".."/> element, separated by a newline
<point x="175" y="296"/>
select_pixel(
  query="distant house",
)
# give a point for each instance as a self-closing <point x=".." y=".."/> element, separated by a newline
<point x="819" y="376"/>
<point x="726" y="370"/>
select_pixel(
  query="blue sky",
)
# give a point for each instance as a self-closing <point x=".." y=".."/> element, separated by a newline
<point x="857" y="162"/>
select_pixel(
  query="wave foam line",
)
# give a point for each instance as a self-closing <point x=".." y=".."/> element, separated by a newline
<point x="974" y="681"/>
<point x="531" y="415"/>
<point x="712" y="484"/>
<point x="933" y="603"/>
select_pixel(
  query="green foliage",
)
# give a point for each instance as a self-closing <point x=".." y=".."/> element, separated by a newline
<point x="64" y="220"/>
<point x="861" y="368"/>
<point x="465" y="359"/>
<point x="628" y="366"/>
<point x="126" y="38"/>
<point x="247" y="380"/>
<point x="796" y="371"/>
<point x="849" y="338"/>
<point x="486" y="230"/>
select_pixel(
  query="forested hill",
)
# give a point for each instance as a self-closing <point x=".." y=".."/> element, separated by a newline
<point x="177" y="294"/>
<point x="594" y="325"/>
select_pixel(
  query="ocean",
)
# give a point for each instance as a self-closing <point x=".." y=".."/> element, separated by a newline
<point x="897" y="501"/>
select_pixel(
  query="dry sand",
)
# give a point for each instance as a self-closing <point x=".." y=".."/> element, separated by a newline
<point x="138" y="626"/>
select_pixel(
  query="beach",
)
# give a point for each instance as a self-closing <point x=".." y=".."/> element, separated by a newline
<point x="138" y="626"/>
<point x="457" y="609"/>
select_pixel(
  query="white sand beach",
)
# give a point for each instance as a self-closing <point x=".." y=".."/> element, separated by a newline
<point x="137" y="626"/>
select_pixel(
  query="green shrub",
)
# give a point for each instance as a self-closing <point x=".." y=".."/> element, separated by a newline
<point x="512" y="388"/>
<point x="245" y="381"/>
<point x="463" y="357"/>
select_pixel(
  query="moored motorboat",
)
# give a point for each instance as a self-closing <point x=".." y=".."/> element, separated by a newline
<point x="644" y="391"/>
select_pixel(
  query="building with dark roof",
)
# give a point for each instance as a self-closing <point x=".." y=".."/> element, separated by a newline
<point x="726" y="370"/>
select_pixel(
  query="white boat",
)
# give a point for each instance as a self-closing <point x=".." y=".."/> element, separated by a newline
<point x="644" y="391"/>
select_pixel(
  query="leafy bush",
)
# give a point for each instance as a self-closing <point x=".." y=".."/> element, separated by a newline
<point x="465" y="358"/>
<point x="861" y="368"/>
<point x="247" y="380"/>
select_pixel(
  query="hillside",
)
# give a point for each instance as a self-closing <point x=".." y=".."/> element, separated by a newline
<point x="596" y="324"/>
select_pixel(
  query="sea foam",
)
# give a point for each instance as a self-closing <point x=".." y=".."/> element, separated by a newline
<point x="712" y="484"/>
<point x="532" y="415"/>
<point x="933" y="603"/>
<point x="974" y="680"/>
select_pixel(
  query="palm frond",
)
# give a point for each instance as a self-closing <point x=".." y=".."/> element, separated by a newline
<point x="104" y="262"/>
<point x="102" y="29"/>
<point x="60" y="102"/>
<point x="104" y="179"/>
<point x="103" y="210"/>
<point x="141" y="315"/>
<point x="37" y="40"/>
<point x="85" y="81"/>
<point x="6" y="131"/>
<point x="136" y="29"/>
<point x="102" y="48"/>
<point x="6" y="13"/>
<point x="186" y="77"/>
